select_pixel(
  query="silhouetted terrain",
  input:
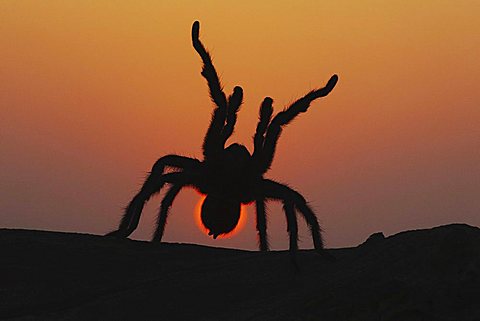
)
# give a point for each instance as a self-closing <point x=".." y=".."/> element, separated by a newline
<point x="416" y="275"/>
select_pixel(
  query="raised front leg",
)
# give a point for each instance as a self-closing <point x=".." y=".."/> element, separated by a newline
<point x="208" y="71"/>
<point x="213" y="142"/>
<point x="284" y="117"/>
<point x="264" y="117"/>
<point x="234" y="102"/>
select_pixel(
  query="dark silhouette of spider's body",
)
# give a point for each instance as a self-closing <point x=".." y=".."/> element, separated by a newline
<point x="229" y="176"/>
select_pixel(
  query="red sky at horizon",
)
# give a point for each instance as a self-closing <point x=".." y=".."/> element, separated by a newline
<point x="93" y="92"/>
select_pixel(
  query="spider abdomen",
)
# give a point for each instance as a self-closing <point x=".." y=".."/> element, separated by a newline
<point x="220" y="215"/>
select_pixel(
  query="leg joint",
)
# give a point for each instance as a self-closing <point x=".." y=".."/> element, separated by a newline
<point x="161" y="163"/>
<point x="298" y="198"/>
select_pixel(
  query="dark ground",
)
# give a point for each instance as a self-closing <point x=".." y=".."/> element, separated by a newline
<point x="416" y="275"/>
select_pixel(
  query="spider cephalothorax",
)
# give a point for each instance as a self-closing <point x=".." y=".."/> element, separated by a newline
<point x="229" y="176"/>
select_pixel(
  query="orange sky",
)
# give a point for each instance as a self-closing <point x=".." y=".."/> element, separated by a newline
<point x="93" y="92"/>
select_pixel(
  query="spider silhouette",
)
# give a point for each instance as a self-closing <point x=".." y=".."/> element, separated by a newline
<point x="229" y="176"/>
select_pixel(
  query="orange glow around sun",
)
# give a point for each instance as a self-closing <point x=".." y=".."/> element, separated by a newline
<point x="236" y="230"/>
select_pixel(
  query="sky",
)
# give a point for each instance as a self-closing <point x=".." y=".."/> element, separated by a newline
<point x="93" y="92"/>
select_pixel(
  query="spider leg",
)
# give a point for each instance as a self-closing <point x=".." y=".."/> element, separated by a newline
<point x="286" y="116"/>
<point x="164" y="210"/>
<point x="174" y="161"/>
<point x="292" y="228"/>
<point x="212" y="143"/>
<point x="130" y="219"/>
<point x="265" y="115"/>
<point x="208" y="71"/>
<point x="289" y="196"/>
<point x="234" y="102"/>
<point x="262" y="224"/>
<point x="153" y="184"/>
<point x="274" y="190"/>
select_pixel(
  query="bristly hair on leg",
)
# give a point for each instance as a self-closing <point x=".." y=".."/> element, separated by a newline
<point x="261" y="224"/>
<point x="265" y="115"/>
<point x="208" y="70"/>
<point x="213" y="142"/>
<point x="284" y="117"/>
<point x="165" y="206"/>
<point x="235" y="100"/>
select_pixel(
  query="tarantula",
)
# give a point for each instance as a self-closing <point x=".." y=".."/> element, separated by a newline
<point x="229" y="176"/>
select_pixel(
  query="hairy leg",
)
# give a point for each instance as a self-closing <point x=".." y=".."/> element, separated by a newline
<point x="175" y="161"/>
<point x="279" y="191"/>
<point x="129" y="222"/>
<point x="292" y="228"/>
<point x="269" y="190"/>
<point x="262" y="224"/>
<point x="284" y="117"/>
<point x="153" y="184"/>
<point x="164" y="210"/>
<point x="234" y="102"/>
<point x="208" y="71"/>
<point x="265" y="115"/>
<point x="213" y="141"/>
